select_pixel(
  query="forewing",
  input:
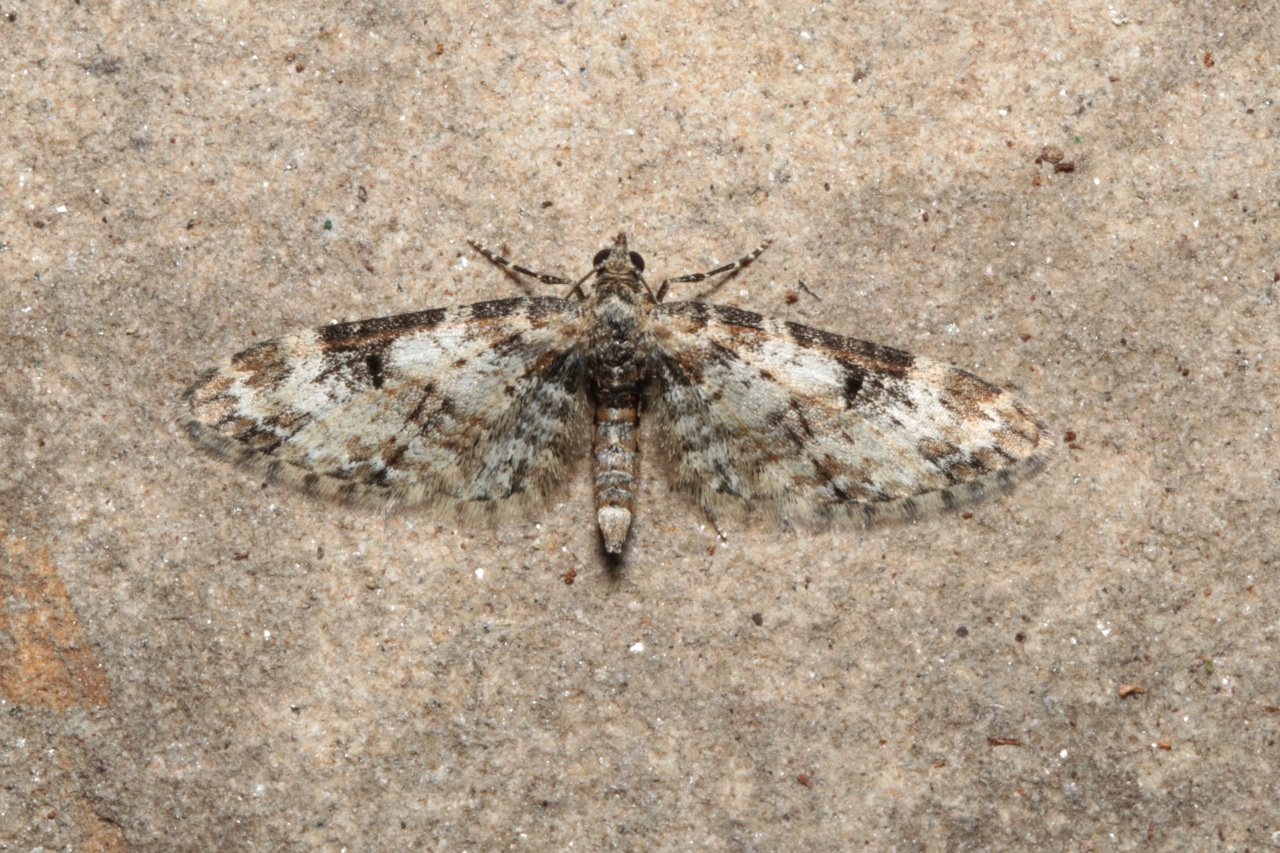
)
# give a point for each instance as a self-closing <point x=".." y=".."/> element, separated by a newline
<point x="780" y="418"/>
<point x="464" y="408"/>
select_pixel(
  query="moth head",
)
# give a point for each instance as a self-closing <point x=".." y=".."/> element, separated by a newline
<point x="617" y="260"/>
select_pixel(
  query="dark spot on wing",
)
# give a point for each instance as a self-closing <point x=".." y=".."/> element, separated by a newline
<point x="852" y="387"/>
<point x="373" y="361"/>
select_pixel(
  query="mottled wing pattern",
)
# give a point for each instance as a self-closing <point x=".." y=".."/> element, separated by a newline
<point x="471" y="408"/>
<point x="782" y="419"/>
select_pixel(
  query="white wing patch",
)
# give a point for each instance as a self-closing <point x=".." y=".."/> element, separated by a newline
<point x="466" y="408"/>
<point x="759" y="415"/>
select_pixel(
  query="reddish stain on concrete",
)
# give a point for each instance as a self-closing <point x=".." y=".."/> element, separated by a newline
<point x="45" y="659"/>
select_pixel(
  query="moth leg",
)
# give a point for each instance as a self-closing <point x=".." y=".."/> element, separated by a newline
<point x="577" y="290"/>
<point x="515" y="269"/>
<point x="728" y="270"/>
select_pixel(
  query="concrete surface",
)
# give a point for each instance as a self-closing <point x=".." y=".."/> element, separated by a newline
<point x="191" y="661"/>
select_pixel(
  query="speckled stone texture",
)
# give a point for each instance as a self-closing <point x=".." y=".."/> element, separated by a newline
<point x="1075" y="200"/>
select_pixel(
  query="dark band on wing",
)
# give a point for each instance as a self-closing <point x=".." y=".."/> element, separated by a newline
<point x="383" y="327"/>
<point x="878" y="357"/>
<point x="703" y="313"/>
<point x="267" y="364"/>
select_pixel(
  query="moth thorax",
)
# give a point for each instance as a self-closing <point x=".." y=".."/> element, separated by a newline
<point x="614" y="523"/>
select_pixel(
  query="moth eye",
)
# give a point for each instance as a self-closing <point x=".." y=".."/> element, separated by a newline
<point x="600" y="257"/>
<point x="637" y="261"/>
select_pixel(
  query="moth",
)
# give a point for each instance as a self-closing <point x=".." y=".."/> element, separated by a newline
<point x="482" y="410"/>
